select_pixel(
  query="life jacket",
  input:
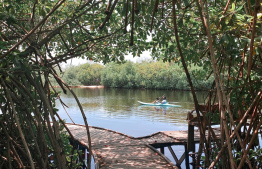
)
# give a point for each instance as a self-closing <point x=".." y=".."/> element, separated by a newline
<point x="164" y="102"/>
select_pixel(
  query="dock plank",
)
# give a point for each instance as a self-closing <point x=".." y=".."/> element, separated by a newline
<point x="132" y="156"/>
<point x="117" y="150"/>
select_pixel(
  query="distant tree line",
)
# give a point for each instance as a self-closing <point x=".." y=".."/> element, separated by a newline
<point x="85" y="74"/>
<point x="150" y="75"/>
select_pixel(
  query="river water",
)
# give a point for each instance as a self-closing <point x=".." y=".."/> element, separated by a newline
<point x="118" y="109"/>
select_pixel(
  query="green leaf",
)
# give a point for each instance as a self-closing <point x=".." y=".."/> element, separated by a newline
<point x="240" y="8"/>
<point x="233" y="6"/>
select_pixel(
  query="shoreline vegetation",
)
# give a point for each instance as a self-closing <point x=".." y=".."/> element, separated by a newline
<point x="145" y="75"/>
<point x="89" y="87"/>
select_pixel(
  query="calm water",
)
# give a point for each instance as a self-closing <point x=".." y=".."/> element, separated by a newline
<point x="118" y="109"/>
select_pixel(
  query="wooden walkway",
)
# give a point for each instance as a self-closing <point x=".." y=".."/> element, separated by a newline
<point x="112" y="149"/>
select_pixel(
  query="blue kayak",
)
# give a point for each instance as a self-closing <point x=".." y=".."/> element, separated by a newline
<point x="158" y="104"/>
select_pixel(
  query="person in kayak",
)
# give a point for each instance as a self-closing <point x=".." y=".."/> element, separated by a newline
<point x="156" y="101"/>
<point x="164" y="101"/>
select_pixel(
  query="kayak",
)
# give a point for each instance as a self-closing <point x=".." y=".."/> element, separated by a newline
<point x="158" y="104"/>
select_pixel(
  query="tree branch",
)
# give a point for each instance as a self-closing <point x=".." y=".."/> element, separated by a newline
<point x="33" y="30"/>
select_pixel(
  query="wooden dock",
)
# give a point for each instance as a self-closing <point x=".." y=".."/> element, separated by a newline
<point x="112" y="149"/>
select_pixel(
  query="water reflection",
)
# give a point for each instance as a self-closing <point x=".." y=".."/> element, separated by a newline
<point x="161" y="109"/>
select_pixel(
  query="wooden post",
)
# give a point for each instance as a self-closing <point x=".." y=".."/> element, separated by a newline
<point x="162" y="150"/>
<point x="187" y="157"/>
<point x="190" y="138"/>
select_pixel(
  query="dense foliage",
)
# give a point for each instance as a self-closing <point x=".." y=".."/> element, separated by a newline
<point x="149" y="75"/>
<point x="223" y="37"/>
<point x="152" y="75"/>
<point x="85" y="74"/>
